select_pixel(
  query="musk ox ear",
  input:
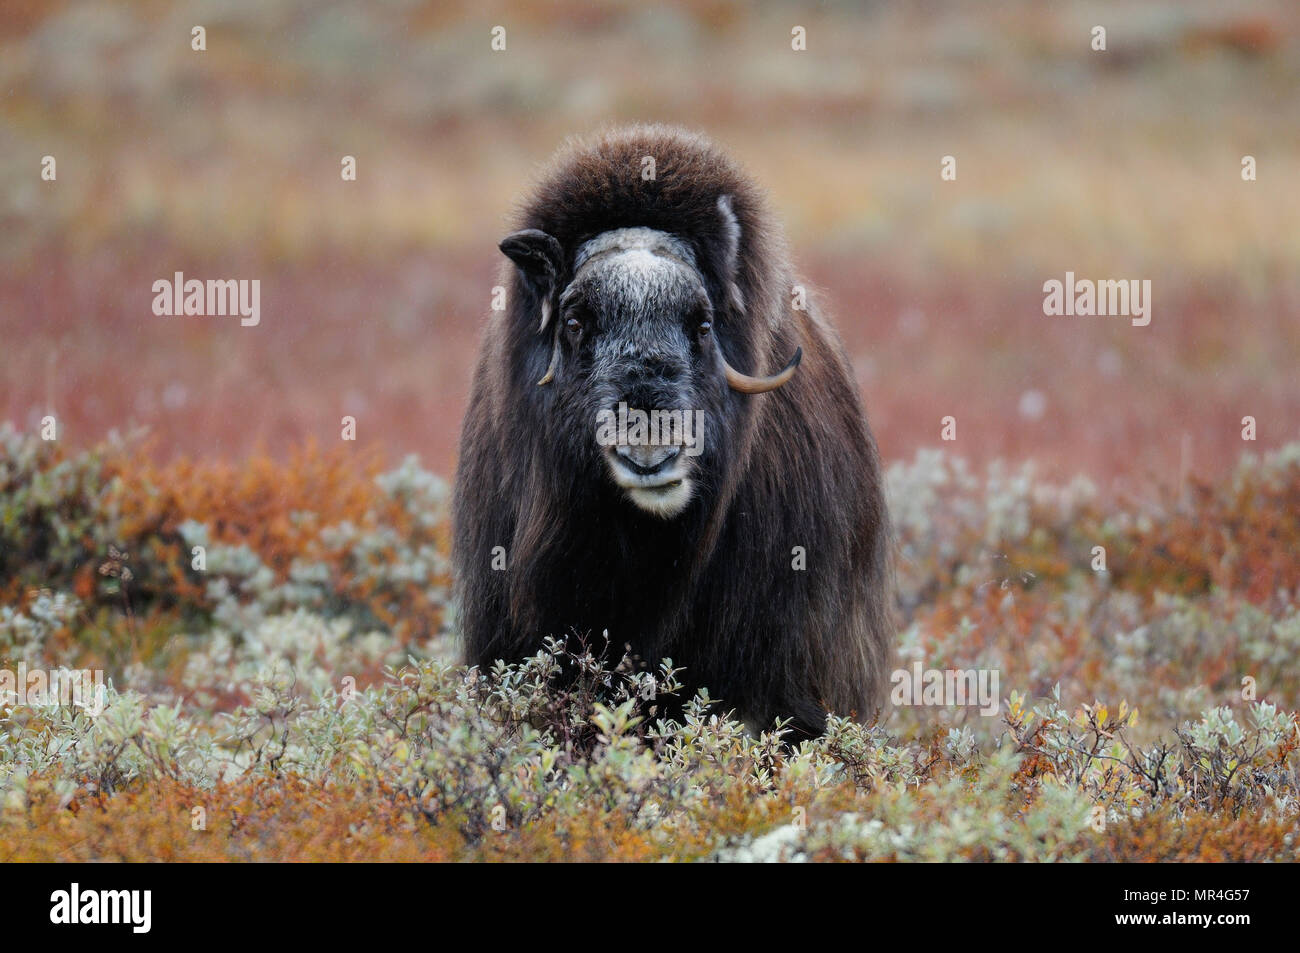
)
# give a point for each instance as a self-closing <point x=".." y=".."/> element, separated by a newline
<point x="731" y="251"/>
<point x="539" y="259"/>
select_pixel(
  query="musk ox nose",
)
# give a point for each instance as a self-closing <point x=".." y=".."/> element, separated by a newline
<point x="646" y="460"/>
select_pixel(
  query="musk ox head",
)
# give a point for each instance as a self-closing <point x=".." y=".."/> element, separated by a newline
<point x="635" y="356"/>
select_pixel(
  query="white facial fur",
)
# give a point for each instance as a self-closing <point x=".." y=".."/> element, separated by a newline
<point x="642" y="261"/>
<point x="662" y="495"/>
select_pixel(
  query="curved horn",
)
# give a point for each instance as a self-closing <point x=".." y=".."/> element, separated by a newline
<point x="555" y="358"/>
<point x="760" y="385"/>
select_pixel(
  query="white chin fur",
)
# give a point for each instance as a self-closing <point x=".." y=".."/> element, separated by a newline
<point x="665" y="501"/>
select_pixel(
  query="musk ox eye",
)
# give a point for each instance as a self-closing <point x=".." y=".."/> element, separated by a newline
<point x="574" y="326"/>
<point x="704" y="328"/>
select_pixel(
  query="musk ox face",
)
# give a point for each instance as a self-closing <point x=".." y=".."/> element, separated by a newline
<point x="634" y="320"/>
<point x="636" y="362"/>
<point x="642" y="377"/>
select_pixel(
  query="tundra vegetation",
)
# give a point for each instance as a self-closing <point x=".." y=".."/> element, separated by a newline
<point x="297" y="698"/>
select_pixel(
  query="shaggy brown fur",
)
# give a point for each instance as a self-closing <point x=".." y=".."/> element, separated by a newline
<point x="713" y="588"/>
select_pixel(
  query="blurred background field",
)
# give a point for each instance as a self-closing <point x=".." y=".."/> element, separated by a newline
<point x="225" y="163"/>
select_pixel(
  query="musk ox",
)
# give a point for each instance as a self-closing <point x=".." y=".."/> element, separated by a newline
<point x="748" y="539"/>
